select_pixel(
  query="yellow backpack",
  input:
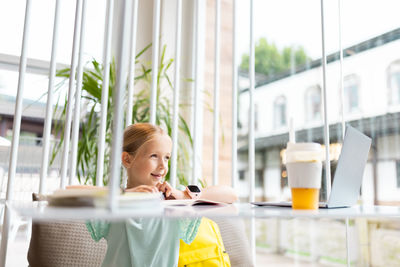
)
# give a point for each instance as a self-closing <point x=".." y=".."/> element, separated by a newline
<point x="207" y="249"/>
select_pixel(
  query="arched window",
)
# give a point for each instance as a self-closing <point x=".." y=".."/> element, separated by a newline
<point x="280" y="111"/>
<point x="393" y="74"/>
<point x="350" y="88"/>
<point x="313" y="103"/>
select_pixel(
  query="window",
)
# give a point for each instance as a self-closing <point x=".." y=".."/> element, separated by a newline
<point x="394" y="83"/>
<point x="350" y="88"/>
<point x="241" y="175"/>
<point x="280" y="111"/>
<point x="256" y="117"/>
<point x="259" y="178"/>
<point x="313" y="103"/>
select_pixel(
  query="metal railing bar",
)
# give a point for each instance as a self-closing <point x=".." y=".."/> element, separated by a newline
<point x="154" y="63"/>
<point x="120" y="87"/>
<point x="341" y="70"/>
<point x="104" y="92"/>
<point x="216" y="92"/>
<point x="78" y="93"/>
<point x="251" y="107"/>
<point x="195" y="160"/>
<point x="234" y="97"/>
<point x="49" y="104"/>
<point x="131" y="76"/>
<point x="71" y="90"/>
<point x="16" y="134"/>
<point x="175" y="116"/>
<point x="251" y="130"/>
<point x="325" y="108"/>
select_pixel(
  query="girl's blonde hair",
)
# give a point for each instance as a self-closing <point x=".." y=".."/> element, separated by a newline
<point x="137" y="134"/>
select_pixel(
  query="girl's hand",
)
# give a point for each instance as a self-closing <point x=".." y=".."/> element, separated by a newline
<point x="169" y="191"/>
<point x="143" y="188"/>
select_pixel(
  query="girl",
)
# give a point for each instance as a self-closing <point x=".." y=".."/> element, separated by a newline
<point x="146" y="152"/>
<point x="150" y="242"/>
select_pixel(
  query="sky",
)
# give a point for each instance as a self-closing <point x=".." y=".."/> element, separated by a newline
<point x="295" y="22"/>
<point x="283" y="22"/>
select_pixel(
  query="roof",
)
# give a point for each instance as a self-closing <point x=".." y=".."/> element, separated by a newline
<point x="381" y="125"/>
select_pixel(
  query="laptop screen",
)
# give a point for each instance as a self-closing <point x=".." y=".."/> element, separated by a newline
<point x="350" y="169"/>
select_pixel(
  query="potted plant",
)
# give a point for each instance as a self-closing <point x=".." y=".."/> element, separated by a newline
<point x="91" y="94"/>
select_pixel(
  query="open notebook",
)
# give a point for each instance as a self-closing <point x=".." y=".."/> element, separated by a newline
<point x="348" y="175"/>
<point x="191" y="202"/>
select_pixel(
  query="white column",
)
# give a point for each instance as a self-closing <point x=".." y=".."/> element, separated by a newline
<point x="154" y="65"/>
<point x="78" y="93"/>
<point x="325" y="108"/>
<point x="175" y="117"/>
<point x="104" y="92"/>
<point x="120" y="86"/>
<point x="131" y="79"/>
<point x="16" y="133"/>
<point x="49" y="104"/>
<point x="216" y="93"/>
<point x="234" y="98"/>
<point x="67" y="126"/>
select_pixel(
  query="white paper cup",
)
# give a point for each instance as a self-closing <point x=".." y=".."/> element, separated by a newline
<point x="304" y="168"/>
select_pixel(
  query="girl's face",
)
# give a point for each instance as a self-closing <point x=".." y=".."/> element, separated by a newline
<point x="150" y="164"/>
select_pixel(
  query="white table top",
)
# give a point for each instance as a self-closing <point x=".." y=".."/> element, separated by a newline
<point x="40" y="211"/>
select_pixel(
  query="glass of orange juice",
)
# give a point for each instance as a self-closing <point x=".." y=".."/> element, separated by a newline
<point x="304" y="167"/>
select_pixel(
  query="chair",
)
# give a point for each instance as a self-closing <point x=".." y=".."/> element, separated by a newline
<point x="59" y="244"/>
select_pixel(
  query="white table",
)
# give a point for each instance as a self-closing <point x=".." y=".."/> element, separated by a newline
<point x="40" y="211"/>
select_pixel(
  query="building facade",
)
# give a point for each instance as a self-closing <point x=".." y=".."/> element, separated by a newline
<point x="371" y="103"/>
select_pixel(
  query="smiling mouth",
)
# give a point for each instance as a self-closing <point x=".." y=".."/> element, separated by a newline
<point x="156" y="175"/>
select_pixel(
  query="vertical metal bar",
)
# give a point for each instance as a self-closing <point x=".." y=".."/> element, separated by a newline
<point x="234" y="98"/>
<point x="341" y="70"/>
<point x="216" y="92"/>
<point x="49" y="104"/>
<point x="175" y="117"/>
<point x="67" y="126"/>
<point x="78" y="93"/>
<point x="347" y="242"/>
<point x="193" y="63"/>
<point x="131" y="79"/>
<point x="251" y="107"/>
<point x="251" y="129"/>
<point x="104" y="92"/>
<point x="325" y="108"/>
<point x="118" y="124"/>
<point x="16" y="133"/>
<point x="154" y="67"/>
<point x="195" y="164"/>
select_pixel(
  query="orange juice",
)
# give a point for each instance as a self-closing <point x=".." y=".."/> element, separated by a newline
<point x="304" y="168"/>
<point x="305" y="198"/>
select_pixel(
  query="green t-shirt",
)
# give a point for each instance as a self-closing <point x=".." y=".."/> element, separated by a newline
<point x="144" y="242"/>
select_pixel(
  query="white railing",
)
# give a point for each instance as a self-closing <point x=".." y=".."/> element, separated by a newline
<point x="126" y="46"/>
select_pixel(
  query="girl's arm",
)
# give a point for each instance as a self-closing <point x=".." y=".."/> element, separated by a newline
<point x="220" y="193"/>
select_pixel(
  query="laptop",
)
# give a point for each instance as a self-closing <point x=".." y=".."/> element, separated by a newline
<point x="348" y="175"/>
